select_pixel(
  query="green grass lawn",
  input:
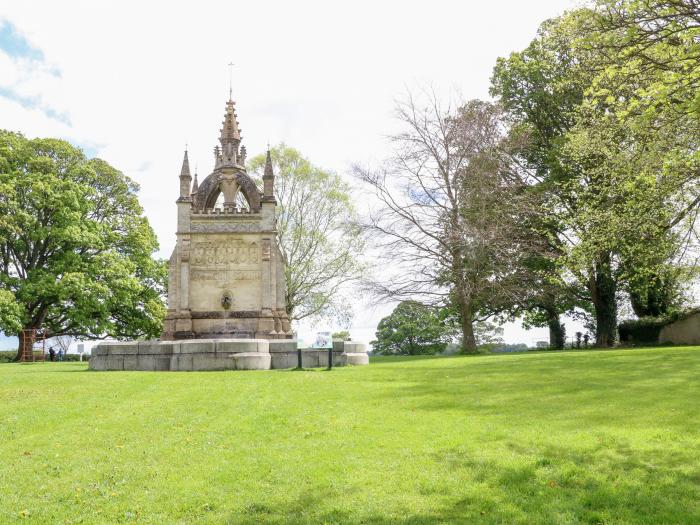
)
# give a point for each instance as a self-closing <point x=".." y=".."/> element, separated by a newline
<point x="571" y="437"/>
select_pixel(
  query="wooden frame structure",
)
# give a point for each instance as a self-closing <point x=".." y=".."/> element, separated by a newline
<point x="31" y="337"/>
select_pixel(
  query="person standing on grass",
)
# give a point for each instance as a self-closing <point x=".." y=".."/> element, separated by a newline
<point x="52" y="354"/>
<point x="60" y="354"/>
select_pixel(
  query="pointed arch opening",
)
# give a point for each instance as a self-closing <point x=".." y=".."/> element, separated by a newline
<point x="227" y="193"/>
<point x="242" y="202"/>
<point x="217" y="201"/>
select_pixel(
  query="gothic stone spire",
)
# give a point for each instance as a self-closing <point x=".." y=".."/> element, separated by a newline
<point x="230" y="137"/>
<point x="230" y="131"/>
<point x="268" y="178"/>
<point x="195" y="184"/>
<point x="185" y="177"/>
<point x="268" y="166"/>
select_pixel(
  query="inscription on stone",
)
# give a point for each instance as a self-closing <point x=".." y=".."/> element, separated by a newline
<point x="224" y="254"/>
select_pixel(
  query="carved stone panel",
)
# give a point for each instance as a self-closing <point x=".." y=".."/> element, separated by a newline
<point x="221" y="263"/>
<point x="226" y="227"/>
<point x="224" y="254"/>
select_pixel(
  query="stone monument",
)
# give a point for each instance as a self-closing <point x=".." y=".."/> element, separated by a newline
<point x="226" y="272"/>
<point x="226" y="284"/>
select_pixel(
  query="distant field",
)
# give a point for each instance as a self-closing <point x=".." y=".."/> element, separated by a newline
<point x="570" y="437"/>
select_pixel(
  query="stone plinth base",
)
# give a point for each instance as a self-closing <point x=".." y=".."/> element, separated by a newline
<point x="220" y="354"/>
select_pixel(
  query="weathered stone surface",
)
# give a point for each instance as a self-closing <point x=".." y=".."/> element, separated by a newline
<point x="114" y="362"/>
<point x="226" y="273"/>
<point x="162" y="363"/>
<point x="282" y="345"/>
<point x="682" y="332"/>
<point x="356" y="358"/>
<point x="314" y="358"/>
<point x="352" y="347"/>
<point x="181" y="362"/>
<point x="227" y="346"/>
<point x="252" y="361"/>
<point x="158" y="347"/>
<point x="118" y="347"/>
<point x="99" y="350"/>
<point x="212" y="361"/>
<point x="218" y="354"/>
<point x="145" y="362"/>
<point x="283" y="360"/>
<point x="131" y="362"/>
<point x="98" y="362"/>
<point x="195" y="346"/>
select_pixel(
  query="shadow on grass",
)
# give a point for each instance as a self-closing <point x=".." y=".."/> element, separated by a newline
<point x="610" y="484"/>
<point x="638" y="381"/>
<point x="30" y="368"/>
<point x="396" y="359"/>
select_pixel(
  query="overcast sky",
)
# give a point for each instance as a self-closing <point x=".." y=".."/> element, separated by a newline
<point x="133" y="82"/>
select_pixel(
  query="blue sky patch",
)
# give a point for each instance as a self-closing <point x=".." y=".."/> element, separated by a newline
<point x="33" y="103"/>
<point x="15" y="45"/>
<point x="7" y="342"/>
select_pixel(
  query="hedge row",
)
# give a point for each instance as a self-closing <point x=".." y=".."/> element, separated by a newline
<point x="7" y="356"/>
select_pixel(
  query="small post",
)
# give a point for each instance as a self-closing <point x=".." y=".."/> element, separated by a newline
<point x="330" y="357"/>
<point x="298" y="357"/>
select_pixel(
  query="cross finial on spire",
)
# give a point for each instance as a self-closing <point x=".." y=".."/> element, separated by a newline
<point x="230" y="80"/>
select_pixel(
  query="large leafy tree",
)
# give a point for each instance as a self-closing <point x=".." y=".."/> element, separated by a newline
<point x="541" y="88"/>
<point x="648" y="82"/>
<point x="75" y="248"/>
<point x="413" y="329"/>
<point x="320" y="241"/>
<point x="614" y="142"/>
<point x="640" y="182"/>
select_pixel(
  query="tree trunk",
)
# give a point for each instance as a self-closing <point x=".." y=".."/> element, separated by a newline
<point x="603" y="290"/>
<point x="557" y="334"/>
<point x="466" y="321"/>
<point x="20" y="345"/>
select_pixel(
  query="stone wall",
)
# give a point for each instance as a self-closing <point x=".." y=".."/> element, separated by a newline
<point x="682" y="332"/>
<point x="220" y="354"/>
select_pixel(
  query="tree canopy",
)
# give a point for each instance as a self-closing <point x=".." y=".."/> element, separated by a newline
<point x="75" y="248"/>
<point x="605" y="95"/>
<point x="413" y="329"/>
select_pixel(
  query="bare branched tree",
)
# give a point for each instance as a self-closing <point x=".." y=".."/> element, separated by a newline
<point x="452" y="214"/>
<point x="61" y="341"/>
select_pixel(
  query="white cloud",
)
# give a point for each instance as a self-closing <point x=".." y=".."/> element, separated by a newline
<point x="139" y="80"/>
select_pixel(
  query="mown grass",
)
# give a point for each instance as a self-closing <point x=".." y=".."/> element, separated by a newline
<point x="572" y="437"/>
